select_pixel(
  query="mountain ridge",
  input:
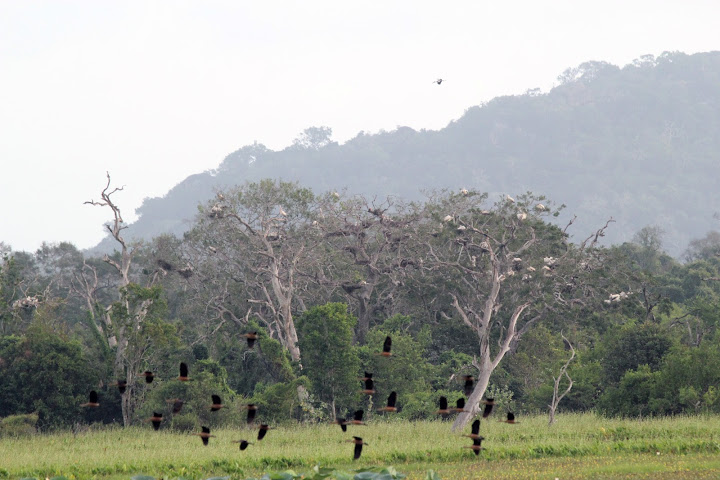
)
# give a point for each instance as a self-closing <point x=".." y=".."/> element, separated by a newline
<point x="639" y="144"/>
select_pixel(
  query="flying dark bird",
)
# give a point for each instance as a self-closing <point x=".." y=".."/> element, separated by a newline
<point x="342" y="422"/>
<point x="358" y="446"/>
<point x="251" y="338"/>
<point x="243" y="443"/>
<point x="252" y="411"/>
<point x="263" y="431"/>
<point x="387" y="345"/>
<point x="121" y="384"/>
<point x="93" y="403"/>
<point x="155" y="420"/>
<point x="357" y="418"/>
<point x="510" y="418"/>
<point x="476" y="446"/>
<point x="177" y="405"/>
<point x="459" y="405"/>
<point x="468" y="385"/>
<point x="167" y="266"/>
<point x="392" y="398"/>
<point x="439" y="81"/>
<point x="369" y="387"/>
<point x="474" y="430"/>
<point x="216" y="403"/>
<point x="204" y="435"/>
<point x="149" y="376"/>
<point x="489" y="402"/>
<point x="184" y="372"/>
<point x="443" y="406"/>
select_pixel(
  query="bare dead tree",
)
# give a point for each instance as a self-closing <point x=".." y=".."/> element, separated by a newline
<point x="557" y="397"/>
<point x="128" y="358"/>
<point x="508" y="269"/>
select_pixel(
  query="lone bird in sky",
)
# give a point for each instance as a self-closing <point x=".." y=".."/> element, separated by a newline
<point x="439" y="81"/>
<point x="358" y="446"/>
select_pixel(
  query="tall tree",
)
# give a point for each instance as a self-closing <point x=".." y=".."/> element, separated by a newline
<point x="257" y="241"/>
<point x="124" y="320"/>
<point x="506" y="269"/>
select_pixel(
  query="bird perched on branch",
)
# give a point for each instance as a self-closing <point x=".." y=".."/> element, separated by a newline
<point x="149" y="376"/>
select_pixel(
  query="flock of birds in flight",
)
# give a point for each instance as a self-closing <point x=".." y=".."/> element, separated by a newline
<point x="355" y="419"/>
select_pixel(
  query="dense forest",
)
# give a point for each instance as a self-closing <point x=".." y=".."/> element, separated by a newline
<point x="638" y="143"/>
<point x="465" y="283"/>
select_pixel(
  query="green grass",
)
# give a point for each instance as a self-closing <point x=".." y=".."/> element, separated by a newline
<point x="578" y="446"/>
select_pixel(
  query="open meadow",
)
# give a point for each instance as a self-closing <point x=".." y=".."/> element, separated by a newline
<point x="576" y="447"/>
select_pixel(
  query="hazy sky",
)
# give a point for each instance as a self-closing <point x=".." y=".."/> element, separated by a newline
<point x="154" y="91"/>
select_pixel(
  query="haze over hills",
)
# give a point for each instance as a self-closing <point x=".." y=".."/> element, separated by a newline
<point x="640" y="144"/>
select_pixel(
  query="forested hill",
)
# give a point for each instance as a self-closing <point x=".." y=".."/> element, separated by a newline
<point x="640" y="144"/>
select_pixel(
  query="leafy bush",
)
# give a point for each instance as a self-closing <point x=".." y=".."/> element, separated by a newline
<point x="18" y="425"/>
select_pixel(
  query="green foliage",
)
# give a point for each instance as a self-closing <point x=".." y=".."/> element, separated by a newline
<point x="329" y="359"/>
<point x="19" y="425"/>
<point x="633" y="346"/>
<point x="44" y="373"/>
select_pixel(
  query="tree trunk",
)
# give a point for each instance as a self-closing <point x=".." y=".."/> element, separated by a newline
<point x="485" y="369"/>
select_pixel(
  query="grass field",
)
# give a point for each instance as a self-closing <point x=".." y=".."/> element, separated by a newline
<point x="576" y="447"/>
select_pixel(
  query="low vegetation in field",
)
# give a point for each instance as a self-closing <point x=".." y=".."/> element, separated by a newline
<point x="577" y="443"/>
